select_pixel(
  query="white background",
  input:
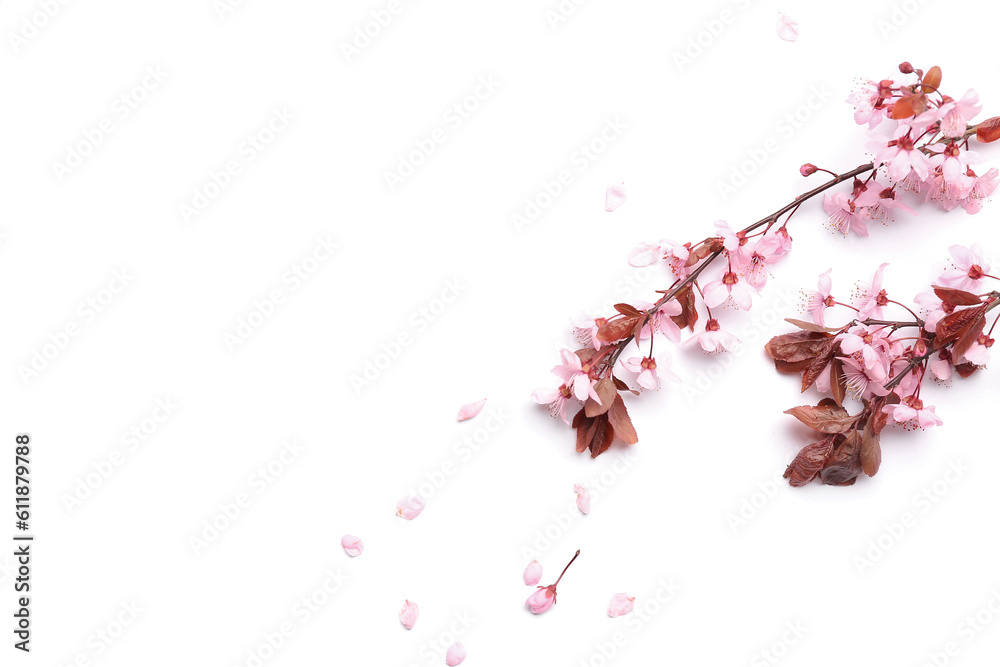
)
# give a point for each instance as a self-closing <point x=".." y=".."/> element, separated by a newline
<point x="700" y="459"/>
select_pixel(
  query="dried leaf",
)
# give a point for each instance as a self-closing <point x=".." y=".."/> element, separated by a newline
<point x="844" y="465"/>
<point x="969" y="336"/>
<point x="616" y="329"/>
<point x="966" y="369"/>
<point x="956" y="297"/>
<point x="824" y="418"/>
<point x="622" y="423"/>
<point x="818" y="363"/>
<point x="838" y="381"/>
<point x="953" y="325"/>
<point x="808" y="462"/>
<point x="988" y="130"/>
<point x="605" y="389"/>
<point x="932" y="80"/>
<point x="871" y="450"/>
<point x="797" y="346"/>
<point x="689" y="313"/>
<point x="628" y="310"/>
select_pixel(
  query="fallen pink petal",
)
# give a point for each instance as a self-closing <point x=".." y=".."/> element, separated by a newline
<point x="533" y="573"/>
<point x="614" y="197"/>
<point x="352" y="545"/>
<point x="787" y="27"/>
<point x="456" y="654"/>
<point x="408" y="614"/>
<point x="621" y="604"/>
<point x="582" y="498"/>
<point x="470" y="410"/>
<point x="410" y="508"/>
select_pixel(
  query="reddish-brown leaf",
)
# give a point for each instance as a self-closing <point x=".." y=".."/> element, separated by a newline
<point x="932" y="80"/>
<point x="838" y="381"/>
<point x="809" y="326"/>
<point x="605" y="389"/>
<point x="703" y="251"/>
<point x="988" y="130"/>
<point x="790" y="366"/>
<point x="903" y="108"/>
<point x="844" y="465"/>
<point x="970" y="334"/>
<point x="871" y="450"/>
<point x="602" y="435"/>
<point x="956" y="297"/>
<point x="627" y="310"/>
<point x="582" y="423"/>
<point x="815" y="367"/>
<point x="808" y="462"/>
<point x="616" y="329"/>
<point x="952" y="326"/>
<point x="829" y="418"/>
<point x="622" y="423"/>
<point x="966" y="369"/>
<point x="797" y="346"/>
<point x="689" y="313"/>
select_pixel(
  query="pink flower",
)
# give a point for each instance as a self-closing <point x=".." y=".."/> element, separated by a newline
<point x="645" y="254"/>
<point x="533" y="573"/>
<point x="867" y="102"/>
<point x="845" y="215"/>
<point x="982" y="187"/>
<point x="910" y="413"/>
<point x="408" y="614"/>
<point x="718" y="291"/>
<point x="868" y="345"/>
<point x="582" y="498"/>
<point x="819" y="300"/>
<point x="352" y="545"/>
<point x="955" y="115"/>
<point x="787" y="27"/>
<point x="554" y="400"/>
<point x="871" y="299"/>
<point x="859" y="383"/>
<point x="881" y="202"/>
<point x="614" y="197"/>
<point x="585" y="330"/>
<point x="660" y="322"/>
<point x="470" y="410"/>
<point x="900" y="156"/>
<point x="574" y="374"/>
<point x="954" y="162"/>
<point x="932" y="309"/>
<point x="455" y="655"/>
<point x="621" y="604"/>
<point x="650" y="370"/>
<point x="734" y="243"/>
<point x="410" y="508"/>
<point x="968" y="269"/>
<point x="766" y="251"/>
<point x="542" y="599"/>
<point x="940" y="366"/>
<point x="714" y="339"/>
<point x="979" y="352"/>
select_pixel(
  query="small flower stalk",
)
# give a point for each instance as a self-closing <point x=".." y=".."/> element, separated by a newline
<point x="542" y="599"/>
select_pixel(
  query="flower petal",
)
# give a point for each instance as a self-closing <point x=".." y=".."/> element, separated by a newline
<point x="470" y="410"/>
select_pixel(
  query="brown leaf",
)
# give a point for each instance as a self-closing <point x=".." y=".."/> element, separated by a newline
<point x="952" y="326"/>
<point x="988" y="130"/>
<point x="622" y="423"/>
<point x="824" y="418"/>
<point x="797" y="346"/>
<point x="605" y="389"/>
<point x="808" y="462"/>
<point x="956" y="297"/>
<point x="689" y="313"/>
<point x="702" y="251"/>
<point x="582" y="423"/>
<point x="969" y="336"/>
<point x="602" y="435"/>
<point x="616" y="329"/>
<point x="838" y="381"/>
<point x="628" y="310"/>
<point x="903" y="108"/>
<point x="844" y="465"/>
<point x="809" y="326"/>
<point x="791" y="367"/>
<point x="932" y="80"/>
<point x="815" y="367"/>
<point x="871" y="450"/>
<point x="966" y="369"/>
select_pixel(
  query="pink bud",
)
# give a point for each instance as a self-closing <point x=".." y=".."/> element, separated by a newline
<point x="408" y="615"/>
<point x="533" y="573"/>
<point x="582" y="498"/>
<point x="808" y="169"/>
<point x="614" y="197"/>
<point x="352" y="545"/>
<point x="542" y="600"/>
<point x="470" y="410"/>
<point x="456" y="654"/>
<point x="621" y="604"/>
<point x="410" y="508"/>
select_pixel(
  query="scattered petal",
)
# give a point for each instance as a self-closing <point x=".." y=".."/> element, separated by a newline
<point x="410" y="508"/>
<point x="456" y="654"/>
<point x="533" y="573"/>
<point x="408" y="614"/>
<point x="788" y="29"/>
<point x="470" y="410"/>
<point x="352" y="545"/>
<point x="582" y="498"/>
<point x="614" y="197"/>
<point x="621" y="604"/>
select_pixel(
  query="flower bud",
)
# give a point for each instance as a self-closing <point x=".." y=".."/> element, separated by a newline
<point x="542" y="600"/>
<point x="808" y="169"/>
